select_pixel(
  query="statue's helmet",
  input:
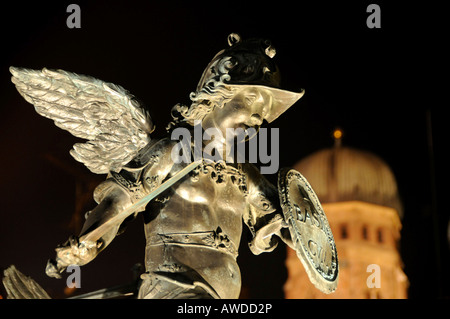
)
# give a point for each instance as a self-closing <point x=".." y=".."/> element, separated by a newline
<point x="248" y="63"/>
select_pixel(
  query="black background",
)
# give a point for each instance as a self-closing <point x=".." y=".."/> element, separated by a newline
<point x="376" y="84"/>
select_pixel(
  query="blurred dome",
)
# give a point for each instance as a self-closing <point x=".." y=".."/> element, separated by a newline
<point x="340" y="174"/>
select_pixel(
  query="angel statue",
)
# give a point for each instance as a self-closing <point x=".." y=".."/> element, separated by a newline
<point x="192" y="211"/>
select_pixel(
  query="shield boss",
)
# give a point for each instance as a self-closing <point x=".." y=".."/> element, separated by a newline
<point x="309" y="229"/>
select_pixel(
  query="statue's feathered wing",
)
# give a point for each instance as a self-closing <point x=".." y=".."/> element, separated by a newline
<point x="115" y="124"/>
<point x="19" y="286"/>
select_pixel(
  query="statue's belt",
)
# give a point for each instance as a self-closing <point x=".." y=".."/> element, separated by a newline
<point x="215" y="239"/>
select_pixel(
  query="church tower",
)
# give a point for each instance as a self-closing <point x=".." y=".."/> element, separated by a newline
<point x="359" y="195"/>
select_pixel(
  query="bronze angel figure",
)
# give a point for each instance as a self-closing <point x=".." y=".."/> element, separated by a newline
<point x="192" y="212"/>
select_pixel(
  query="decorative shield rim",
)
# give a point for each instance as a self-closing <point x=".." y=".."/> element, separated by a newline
<point x="326" y="284"/>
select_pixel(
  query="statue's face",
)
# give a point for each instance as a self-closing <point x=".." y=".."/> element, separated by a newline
<point x="247" y="109"/>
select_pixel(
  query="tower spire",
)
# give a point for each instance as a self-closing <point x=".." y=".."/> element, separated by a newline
<point x="337" y="136"/>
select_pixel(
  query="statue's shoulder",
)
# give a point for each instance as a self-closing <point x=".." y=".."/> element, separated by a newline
<point x="151" y="153"/>
<point x="252" y="173"/>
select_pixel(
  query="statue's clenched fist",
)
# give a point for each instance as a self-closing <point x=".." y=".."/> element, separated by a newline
<point x="72" y="252"/>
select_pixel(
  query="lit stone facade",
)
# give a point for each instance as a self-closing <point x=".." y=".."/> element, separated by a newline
<point x="359" y="196"/>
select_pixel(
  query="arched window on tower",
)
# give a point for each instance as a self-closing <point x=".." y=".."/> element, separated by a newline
<point x="344" y="232"/>
<point x="365" y="233"/>
<point x="380" y="237"/>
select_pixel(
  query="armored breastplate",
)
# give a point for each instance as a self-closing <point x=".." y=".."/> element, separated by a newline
<point x="221" y="173"/>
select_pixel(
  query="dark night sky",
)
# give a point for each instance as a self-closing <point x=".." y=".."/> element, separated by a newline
<point x="373" y="83"/>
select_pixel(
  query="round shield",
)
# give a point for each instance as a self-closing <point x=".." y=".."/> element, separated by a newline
<point x="310" y="232"/>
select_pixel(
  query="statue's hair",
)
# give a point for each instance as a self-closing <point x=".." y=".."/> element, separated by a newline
<point x="203" y="102"/>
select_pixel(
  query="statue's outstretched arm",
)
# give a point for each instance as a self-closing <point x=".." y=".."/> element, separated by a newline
<point x="119" y="193"/>
<point x="76" y="252"/>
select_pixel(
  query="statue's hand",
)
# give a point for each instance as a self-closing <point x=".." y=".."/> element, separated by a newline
<point x="72" y="252"/>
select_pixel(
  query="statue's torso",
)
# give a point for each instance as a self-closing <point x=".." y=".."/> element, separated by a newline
<point x="195" y="228"/>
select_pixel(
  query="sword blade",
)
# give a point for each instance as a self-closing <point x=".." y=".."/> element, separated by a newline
<point x="98" y="232"/>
